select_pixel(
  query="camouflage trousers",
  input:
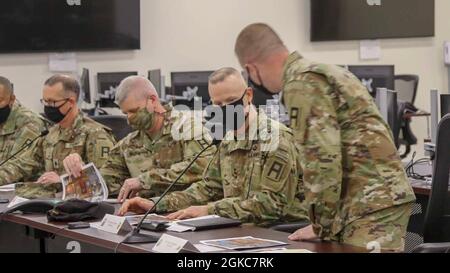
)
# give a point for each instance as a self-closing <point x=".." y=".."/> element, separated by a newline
<point x="384" y="229"/>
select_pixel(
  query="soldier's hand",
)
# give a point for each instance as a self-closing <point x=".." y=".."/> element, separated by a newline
<point x="129" y="189"/>
<point x="304" y="234"/>
<point x="137" y="205"/>
<point x="49" y="178"/>
<point x="191" y="212"/>
<point x="73" y="165"/>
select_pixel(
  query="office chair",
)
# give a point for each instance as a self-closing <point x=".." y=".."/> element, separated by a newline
<point x="404" y="135"/>
<point x="406" y="86"/>
<point x="433" y="248"/>
<point x="118" y="124"/>
<point x="437" y="218"/>
<point x="414" y="231"/>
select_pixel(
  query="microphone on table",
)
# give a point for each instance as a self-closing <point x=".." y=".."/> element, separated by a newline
<point x="25" y="146"/>
<point x="135" y="237"/>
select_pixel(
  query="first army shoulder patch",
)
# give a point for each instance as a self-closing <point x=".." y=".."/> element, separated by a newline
<point x="276" y="170"/>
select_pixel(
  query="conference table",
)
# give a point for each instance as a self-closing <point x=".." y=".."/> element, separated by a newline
<point x="33" y="233"/>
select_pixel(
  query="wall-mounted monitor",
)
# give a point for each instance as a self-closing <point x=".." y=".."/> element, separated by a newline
<point x="69" y="25"/>
<point x="333" y="20"/>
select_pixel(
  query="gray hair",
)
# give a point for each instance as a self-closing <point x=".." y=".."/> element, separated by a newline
<point x="7" y="85"/>
<point x="138" y="85"/>
<point x="70" y="84"/>
<point x="223" y="74"/>
<point x="256" y="42"/>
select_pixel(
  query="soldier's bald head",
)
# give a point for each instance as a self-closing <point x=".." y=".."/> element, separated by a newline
<point x="137" y="86"/>
<point x="256" y="42"/>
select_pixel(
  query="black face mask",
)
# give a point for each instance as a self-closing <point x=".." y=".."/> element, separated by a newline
<point x="54" y="114"/>
<point x="4" y="113"/>
<point x="232" y="120"/>
<point x="259" y="87"/>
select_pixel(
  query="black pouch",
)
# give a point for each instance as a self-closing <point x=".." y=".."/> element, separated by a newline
<point x="79" y="210"/>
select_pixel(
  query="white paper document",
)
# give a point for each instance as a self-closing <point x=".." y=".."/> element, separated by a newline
<point x="63" y="62"/>
<point x="243" y="243"/>
<point x="8" y="188"/>
<point x="17" y="200"/>
<point x="370" y="50"/>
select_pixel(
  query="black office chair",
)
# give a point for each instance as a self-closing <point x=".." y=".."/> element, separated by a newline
<point x="433" y="248"/>
<point x="406" y="86"/>
<point x="118" y="124"/>
<point x="414" y="231"/>
<point x="437" y="218"/>
<point x="404" y="135"/>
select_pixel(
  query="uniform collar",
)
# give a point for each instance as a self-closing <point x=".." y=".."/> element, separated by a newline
<point x="9" y="127"/>
<point x="294" y="57"/>
<point x="254" y="134"/>
<point x="66" y="134"/>
<point x="169" y="118"/>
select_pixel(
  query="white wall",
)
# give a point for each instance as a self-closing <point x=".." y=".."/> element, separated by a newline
<point x="182" y="35"/>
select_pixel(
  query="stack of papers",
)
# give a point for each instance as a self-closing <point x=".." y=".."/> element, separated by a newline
<point x="173" y="225"/>
<point x="16" y="201"/>
<point x="8" y="188"/>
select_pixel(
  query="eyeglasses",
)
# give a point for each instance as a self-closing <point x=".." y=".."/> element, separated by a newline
<point x="53" y="103"/>
<point x="211" y="103"/>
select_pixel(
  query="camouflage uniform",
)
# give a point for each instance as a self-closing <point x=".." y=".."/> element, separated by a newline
<point x="89" y="139"/>
<point x="248" y="182"/>
<point x="22" y="126"/>
<point x="158" y="160"/>
<point x="355" y="185"/>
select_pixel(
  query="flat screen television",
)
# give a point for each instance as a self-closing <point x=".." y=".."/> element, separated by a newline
<point x="69" y="25"/>
<point x="334" y="20"/>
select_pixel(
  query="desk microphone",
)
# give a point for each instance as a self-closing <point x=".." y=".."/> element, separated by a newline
<point x="25" y="146"/>
<point x="135" y="237"/>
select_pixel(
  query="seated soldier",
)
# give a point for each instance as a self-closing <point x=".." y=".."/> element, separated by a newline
<point x="150" y="158"/>
<point x="18" y="125"/>
<point x="254" y="178"/>
<point x="72" y="133"/>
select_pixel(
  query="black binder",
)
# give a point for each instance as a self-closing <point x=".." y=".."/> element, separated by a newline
<point x="213" y="223"/>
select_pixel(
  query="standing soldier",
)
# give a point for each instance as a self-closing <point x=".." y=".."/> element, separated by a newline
<point x="355" y="185"/>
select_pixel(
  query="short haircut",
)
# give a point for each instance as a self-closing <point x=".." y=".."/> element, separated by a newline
<point x="70" y="85"/>
<point x="223" y="74"/>
<point x="256" y="42"/>
<point x="138" y="85"/>
<point x="7" y="85"/>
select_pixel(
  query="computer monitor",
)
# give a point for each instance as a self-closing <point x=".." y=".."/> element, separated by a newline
<point x="189" y="85"/>
<point x="107" y="87"/>
<point x="387" y="103"/>
<point x="445" y="105"/>
<point x="85" y="86"/>
<point x="374" y="76"/>
<point x="156" y="79"/>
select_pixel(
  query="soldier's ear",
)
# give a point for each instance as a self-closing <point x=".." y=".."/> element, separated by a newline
<point x="250" y="94"/>
<point x="252" y="73"/>
<point x="12" y="101"/>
